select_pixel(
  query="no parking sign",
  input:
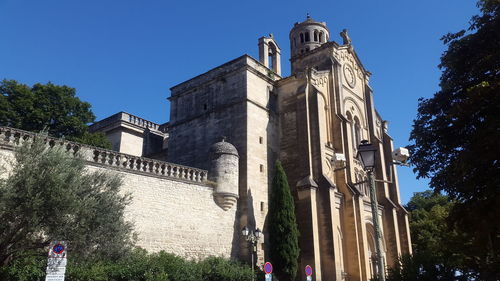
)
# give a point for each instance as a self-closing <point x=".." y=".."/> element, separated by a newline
<point x="309" y="272"/>
<point x="268" y="269"/>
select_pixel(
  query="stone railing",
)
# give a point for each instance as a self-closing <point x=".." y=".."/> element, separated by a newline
<point x="124" y="116"/>
<point x="139" y="121"/>
<point x="12" y="137"/>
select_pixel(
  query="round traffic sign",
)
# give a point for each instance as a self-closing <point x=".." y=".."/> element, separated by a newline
<point x="268" y="268"/>
<point x="309" y="270"/>
<point x="58" y="248"/>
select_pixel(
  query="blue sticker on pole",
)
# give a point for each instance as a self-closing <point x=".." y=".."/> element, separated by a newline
<point x="268" y="268"/>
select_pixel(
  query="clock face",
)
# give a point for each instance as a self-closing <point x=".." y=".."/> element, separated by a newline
<point x="349" y="75"/>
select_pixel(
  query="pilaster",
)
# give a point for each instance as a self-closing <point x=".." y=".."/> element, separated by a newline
<point x="307" y="221"/>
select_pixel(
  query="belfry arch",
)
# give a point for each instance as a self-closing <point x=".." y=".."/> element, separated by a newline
<point x="270" y="53"/>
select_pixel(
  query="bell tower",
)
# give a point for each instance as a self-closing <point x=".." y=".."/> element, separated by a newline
<point x="308" y="35"/>
<point x="270" y="53"/>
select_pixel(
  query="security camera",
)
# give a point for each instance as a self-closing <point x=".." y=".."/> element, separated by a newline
<point x="339" y="160"/>
<point x="400" y="155"/>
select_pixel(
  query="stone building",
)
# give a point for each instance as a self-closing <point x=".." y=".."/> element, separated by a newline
<point x="309" y="120"/>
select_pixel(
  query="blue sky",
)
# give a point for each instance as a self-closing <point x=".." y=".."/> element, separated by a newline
<point x="125" y="55"/>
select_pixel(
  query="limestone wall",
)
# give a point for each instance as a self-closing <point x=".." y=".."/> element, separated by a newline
<point x="173" y="208"/>
<point x="177" y="216"/>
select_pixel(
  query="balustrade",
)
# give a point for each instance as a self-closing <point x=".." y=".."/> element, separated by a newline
<point x="15" y="137"/>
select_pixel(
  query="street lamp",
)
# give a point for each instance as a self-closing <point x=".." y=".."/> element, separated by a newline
<point x="366" y="154"/>
<point x="252" y="237"/>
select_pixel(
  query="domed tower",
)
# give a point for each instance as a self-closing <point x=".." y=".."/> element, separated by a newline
<point x="224" y="173"/>
<point x="308" y="35"/>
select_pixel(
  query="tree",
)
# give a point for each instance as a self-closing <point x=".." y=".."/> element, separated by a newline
<point x="436" y="244"/>
<point x="434" y="241"/>
<point x="49" y="195"/>
<point x="456" y="135"/>
<point x="49" y="106"/>
<point x="283" y="231"/>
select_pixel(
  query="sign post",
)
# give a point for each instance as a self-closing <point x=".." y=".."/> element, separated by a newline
<point x="57" y="260"/>
<point x="309" y="272"/>
<point x="268" y="269"/>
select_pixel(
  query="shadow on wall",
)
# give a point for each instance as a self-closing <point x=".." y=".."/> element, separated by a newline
<point x="238" y="240"/>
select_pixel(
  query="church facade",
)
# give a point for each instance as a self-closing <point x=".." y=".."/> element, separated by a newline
<point x="227" y="128"/>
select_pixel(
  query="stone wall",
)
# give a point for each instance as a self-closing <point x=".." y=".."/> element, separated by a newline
<point x="179" y="217"/>
<point x="173" y="208"/>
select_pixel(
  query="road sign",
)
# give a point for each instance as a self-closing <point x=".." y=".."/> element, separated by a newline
<point x="309" y="270"/>
<point x="57" y="260"/>
<point x="269" y="277"/>
<point x="58" y="249"/>
<point x="268" y="268"/>
<point x="309" y="278"/>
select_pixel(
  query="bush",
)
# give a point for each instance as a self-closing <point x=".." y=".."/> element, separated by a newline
<point x="25" y="267"/>
<point x="219" y="269"/>
<point x="139" y="266"/>
<point x="160" y="266"/>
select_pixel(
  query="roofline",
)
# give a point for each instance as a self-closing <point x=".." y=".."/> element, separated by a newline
<point x="210" y="70"/>
<point x="244" y="56"/>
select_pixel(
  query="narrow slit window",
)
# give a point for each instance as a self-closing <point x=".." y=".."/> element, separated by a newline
<point x="262" y="206"/>
<point x="261" y="168"/>
<point x="261" y="140"/>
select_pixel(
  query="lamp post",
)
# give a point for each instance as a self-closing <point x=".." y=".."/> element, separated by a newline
<point x="252" y="237"/>
<point x="366" y="154"/>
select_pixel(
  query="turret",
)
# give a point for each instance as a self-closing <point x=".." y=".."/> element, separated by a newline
<point x="308" y="35"/>
<point x="224" y="173"/>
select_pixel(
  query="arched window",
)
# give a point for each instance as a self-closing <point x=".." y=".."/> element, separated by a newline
<point x="372" y="253"/>
<point x="356" y="133"/>
<point x="301" y="38"/>
<point x="353" y="137"/>
<point x="315" y="35"/>
<point x="272" y="57"/>
<point x="308" y="38"/>
<point x="321" y="36"/>
<point x="294" y="42"/>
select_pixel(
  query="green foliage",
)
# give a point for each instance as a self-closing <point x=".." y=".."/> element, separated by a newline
<point x="52" y="107"/>
<point x="429" y="230"/>
<point x="160" y="266"/>
<point x="283" y="231"/>
<point x="436" y="245"/>
<point x="27" y="266"/>
<point x="420" y="267"/>
<point x="218" y="269"/>
<point x="49" y="195"/>
<point x="137" y="266"/>
<point x="456" y="135"/>
<point x="98" y="139"/>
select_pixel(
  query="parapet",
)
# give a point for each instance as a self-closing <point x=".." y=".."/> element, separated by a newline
<point x="134" y="135"/>
<point x="10" y="137"/>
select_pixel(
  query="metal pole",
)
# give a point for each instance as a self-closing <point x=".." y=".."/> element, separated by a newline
<point x="376" y="225"/>
<point x="253" y="269"/>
